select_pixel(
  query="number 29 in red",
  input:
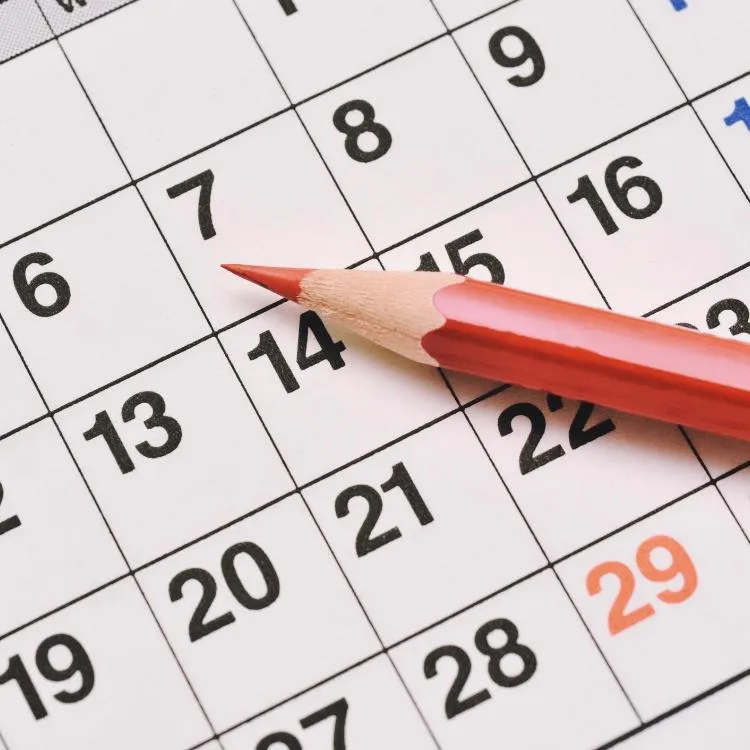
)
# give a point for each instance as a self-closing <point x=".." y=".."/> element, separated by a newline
<point x="680" y="566"/>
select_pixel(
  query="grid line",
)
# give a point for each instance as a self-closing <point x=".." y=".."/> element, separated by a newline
<point x="460" y="408"/>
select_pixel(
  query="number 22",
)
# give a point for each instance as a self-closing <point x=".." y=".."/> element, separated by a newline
<point x="579" y="433"/>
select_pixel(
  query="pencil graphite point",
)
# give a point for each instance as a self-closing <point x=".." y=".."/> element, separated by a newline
<point x="283" y="281"/>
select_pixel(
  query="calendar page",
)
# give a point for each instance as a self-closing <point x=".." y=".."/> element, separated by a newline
<point x="226" y="524"/>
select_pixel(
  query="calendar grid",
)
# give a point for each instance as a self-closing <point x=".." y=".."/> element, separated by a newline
<point x="550" y="565"/>
<point x="534" y="178"/>
<point x="214" y="335"/>
<point x="115" y="540"/>
<point x="130" y="574"/>
<point x="378" y="253"/>
<point x="301" y="487"/>
<point x="583" y="622"/>
<point x="744" y="193"/>
<point x="307" y="485"/>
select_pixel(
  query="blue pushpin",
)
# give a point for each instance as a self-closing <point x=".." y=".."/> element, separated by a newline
<point x="679" y="4"/>
<point x="741" y="113"/>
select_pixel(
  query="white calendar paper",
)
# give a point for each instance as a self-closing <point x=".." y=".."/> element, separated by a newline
<point x="227" y="525"/>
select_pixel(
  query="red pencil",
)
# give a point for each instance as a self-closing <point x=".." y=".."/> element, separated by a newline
<point x="631" y="364"/>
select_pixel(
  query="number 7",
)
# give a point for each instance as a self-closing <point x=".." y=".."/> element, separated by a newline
<point x="204" y="181"/>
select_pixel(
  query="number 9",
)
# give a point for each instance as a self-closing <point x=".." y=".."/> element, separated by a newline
<point x="530" y="51"/>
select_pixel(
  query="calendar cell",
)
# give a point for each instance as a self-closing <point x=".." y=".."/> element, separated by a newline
<point x="656" y="591"/>
<point x="547" y="66"/>
<point x="313" y="46"/>
<point x="362" y="395"/>
<point x="258" y="612"/>
<point x="421" y="539"/>
<point x="22" y="27"/>
<point x="643" y="213"/>
<point x="64" y="15"/>
<point x="185" y="425"/>
<point x="721" y="309"/>
<point x="726" y="114"/>
<point x="367" y="708"/>
<point x="704" y="42"/>
<point x="263" y="197"/>
<point x="578" y="472"/>
<point x="34" y="506"/>
<point x="413" y="142"/>
<point x="718" y="721"/>
<point x="96" y="674"/>
<point x="169" y="77"/>
<point x="94" y="296"/>
<point x="514" y="239"/>
<point x="54" y="153"/>
<point x="482" y="678"/>
<point x="736" y="492"/>
<point x="21" y="401"/>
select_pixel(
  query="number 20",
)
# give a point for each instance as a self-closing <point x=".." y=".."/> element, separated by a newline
<point x="681" y="564"/>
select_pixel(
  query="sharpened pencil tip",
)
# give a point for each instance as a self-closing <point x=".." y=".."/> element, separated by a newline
<point x="283" y="281"/>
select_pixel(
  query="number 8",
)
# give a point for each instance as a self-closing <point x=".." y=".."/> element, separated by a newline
<point x="368" y="125"/>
